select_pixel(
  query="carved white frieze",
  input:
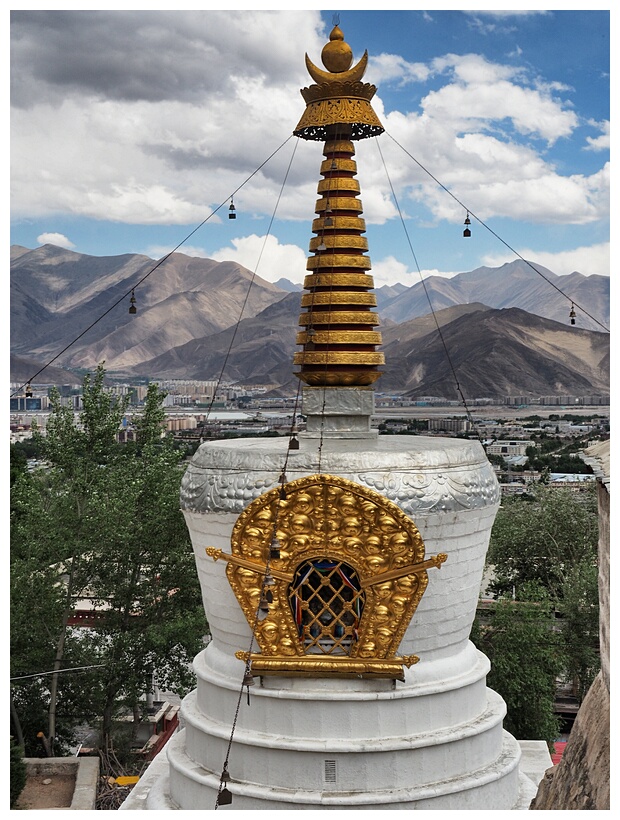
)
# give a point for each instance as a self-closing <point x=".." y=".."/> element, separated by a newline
<point x="418" y="474"/>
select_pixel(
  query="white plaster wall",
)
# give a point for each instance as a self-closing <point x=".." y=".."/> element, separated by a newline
<point x="229" y="628"/>
<point x="496" y="787"/>
<point x="442" y="622"/>
<point x="366" y="763"/>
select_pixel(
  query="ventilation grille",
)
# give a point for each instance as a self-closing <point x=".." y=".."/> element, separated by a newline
<point x="329" y="775"/>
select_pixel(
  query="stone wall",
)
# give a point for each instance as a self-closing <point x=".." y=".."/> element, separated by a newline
<point x="603" y="577"/>
<point x="581" y="780"/>
<point x="84" y="770"/>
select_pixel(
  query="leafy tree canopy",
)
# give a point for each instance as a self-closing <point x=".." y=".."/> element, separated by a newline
<point x="526" y="656"/>
<point x="541" y="537"/>
<point x="100" y="526"/>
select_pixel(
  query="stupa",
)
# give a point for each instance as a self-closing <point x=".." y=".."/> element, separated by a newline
<point x="339" y="575"/>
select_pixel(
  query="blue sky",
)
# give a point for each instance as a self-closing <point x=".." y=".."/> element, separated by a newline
<point x="129" y="128"/>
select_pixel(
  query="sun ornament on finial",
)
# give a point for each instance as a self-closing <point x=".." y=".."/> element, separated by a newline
<point x="337" y="55"/>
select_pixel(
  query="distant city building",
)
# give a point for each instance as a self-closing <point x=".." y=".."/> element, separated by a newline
<point x="450" y="425"/>
<point x="20" y="404"/>
<point x="174" y="423"/>
<point x="557" y="401"/>
<point x="140" y="392"/>
<point x="74" y="402"/>
<point x="520" y="401"/>
<point x="570" y="479"/>
<point x="507" y="448"/>
<point x="187" y="386"/>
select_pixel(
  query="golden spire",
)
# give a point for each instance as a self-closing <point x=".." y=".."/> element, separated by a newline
<point x="339" y="343"/>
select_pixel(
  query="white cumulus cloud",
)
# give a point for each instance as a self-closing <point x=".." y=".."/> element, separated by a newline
<point x="265" y="257"/>
<point x="603" y="141"/>
<point x="58" y="239"/>
<point x="586" y="260"/>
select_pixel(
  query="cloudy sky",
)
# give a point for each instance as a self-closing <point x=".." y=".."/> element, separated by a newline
<point x="129" y="129"/>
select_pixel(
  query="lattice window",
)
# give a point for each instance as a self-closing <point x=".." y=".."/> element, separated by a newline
<point x="327" y="603"/>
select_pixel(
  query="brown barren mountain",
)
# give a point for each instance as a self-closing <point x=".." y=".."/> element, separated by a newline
<point x="57" y="295"/>
<point x="201" y="319"/>
<point x="528" y="286"/>
<point x="493" y="353"/>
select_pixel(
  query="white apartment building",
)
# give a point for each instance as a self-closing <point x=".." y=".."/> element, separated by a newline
<point x="507" y="448"/>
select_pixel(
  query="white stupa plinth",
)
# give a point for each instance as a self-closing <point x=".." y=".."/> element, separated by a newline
<point x="432" y="741"/>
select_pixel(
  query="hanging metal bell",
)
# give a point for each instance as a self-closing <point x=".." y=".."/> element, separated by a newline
<point x="248" y="680"/>
<point x="231" y="211"/>
<point x="572" y="314"/>
<point x="225" y="778"/>
<point x="28" y="391"/>
<point x="132" y="303"/>
<point x="274" y="548"/>
<point x="467" y="222"/>
<point x="224" y="798"/>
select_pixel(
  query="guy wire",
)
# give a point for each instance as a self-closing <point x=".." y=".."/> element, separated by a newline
<point x="153" y="269"/>
<point x="441" y="336"/>
<point x="497" y="236"/>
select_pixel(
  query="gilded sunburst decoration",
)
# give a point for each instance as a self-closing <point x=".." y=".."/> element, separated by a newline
<point x="328" y="574"/>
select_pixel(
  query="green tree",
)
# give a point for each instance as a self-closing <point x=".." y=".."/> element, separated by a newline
<point x="550" y="539"/>
<point x="102" y="523"/>
<point x="147" y="581"/>
<point x="19" y="462"/>
<point x="541" y="537"/>
<point x="20" y="452"/>
<point x="43" y="579"/>
<point x="580" y="625"/>
<point x="526" y="657"/>
<point x="18" y="773"/>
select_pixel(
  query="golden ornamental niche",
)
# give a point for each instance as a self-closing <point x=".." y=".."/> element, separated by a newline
<point x="328" y="574"/>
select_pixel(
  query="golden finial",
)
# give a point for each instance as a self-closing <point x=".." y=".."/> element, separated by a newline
<point x="339" y="99"/>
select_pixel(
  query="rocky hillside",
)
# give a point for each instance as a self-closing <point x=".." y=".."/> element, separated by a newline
<point x="56" y="295"/>
<point x="514" y="284"/>
<point x="493" y="352"/>
<point x="196" y="316"/>
<point x="22" y="370"/>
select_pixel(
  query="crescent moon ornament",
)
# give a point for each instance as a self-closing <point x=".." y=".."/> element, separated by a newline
<point x="353" y="75"/>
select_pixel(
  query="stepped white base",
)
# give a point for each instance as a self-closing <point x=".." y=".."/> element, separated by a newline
<point x="433" y="742"/>
<point x="152" y="793"/>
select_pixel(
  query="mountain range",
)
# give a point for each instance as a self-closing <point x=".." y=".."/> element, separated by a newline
<point x="503" y="330"/>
